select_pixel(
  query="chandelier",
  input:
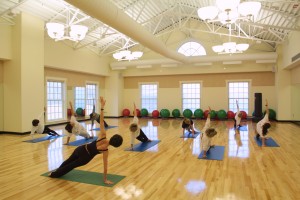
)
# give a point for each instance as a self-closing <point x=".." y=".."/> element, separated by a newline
<point x="229" y="11"/>
<point x="57" y="31"/>
<point x="127" y="55"/>
<point x="230" y="47"/>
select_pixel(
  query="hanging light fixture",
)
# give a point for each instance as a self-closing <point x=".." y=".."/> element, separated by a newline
<point x="230" y="47"/>
<point x="127" y="55"/>
<point x="228" y="11"/>
<point x="57" y="31"/>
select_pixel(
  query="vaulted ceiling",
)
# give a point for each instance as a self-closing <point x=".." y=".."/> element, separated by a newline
<point x="276" y="19"/>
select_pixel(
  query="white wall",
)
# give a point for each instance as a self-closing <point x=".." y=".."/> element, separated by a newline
<point x="290" y="48"/>
<point x="60" y="56"/>
<point x="295" y="102"/>
<point x="5" y="42"/>
<point x="1" y="97"/>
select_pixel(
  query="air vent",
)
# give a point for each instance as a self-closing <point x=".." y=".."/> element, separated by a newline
<point x="296" y="57"/>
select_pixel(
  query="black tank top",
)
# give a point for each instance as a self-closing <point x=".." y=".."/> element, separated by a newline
<point x="92" y="147"/>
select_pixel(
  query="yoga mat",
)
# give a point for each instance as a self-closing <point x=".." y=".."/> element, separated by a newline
<point x="93" y="178"/>
<point x="214" y="153"/>
<point x="109" y="127"/>
<point x="82" y="141"/>
<point x="143" y="146"/>
<point x="243" y="128"/>
<point x="269" y="142"/>
<point x="43" y="139"/>
<point x="190" y="135"/>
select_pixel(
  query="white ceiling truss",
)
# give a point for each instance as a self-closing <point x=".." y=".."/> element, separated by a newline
<point x="275" y="21"/>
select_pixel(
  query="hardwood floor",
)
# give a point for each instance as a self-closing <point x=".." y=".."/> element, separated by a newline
<point x="170" y="170"/>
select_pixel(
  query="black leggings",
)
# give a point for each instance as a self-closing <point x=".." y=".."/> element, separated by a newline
<point x="142" y="137"/>
<point x="105" y="124"/>
<point x="49" y="131"/>
<point x="78" y="158"/>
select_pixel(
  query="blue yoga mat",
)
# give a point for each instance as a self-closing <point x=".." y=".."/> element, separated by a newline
<point x="243" y="128"/>
<point x="109" y="127"/>
<point x="82" y="141"/>
<point x="143" y="146"/>
<point x="43" y="139"/>
<point x="190" y="135"/>
<point x="214" y="153"/>
<point x="269" y="142"/>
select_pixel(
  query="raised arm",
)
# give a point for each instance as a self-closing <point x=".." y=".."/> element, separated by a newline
<point x="71" y="107"/>
<point x="134" y="110"/>
<point x="209" y="110"/>
<point x="102" y="127"/>
<point x="237" y="105"/>
<point x="94" y="106"/>
<point x="267" y="107"/>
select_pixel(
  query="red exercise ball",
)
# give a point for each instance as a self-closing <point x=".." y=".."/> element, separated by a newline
<point x="138" y="112"/>
<point x="244" y="114"/>
<point x="155" y="113"/>
<point x="230" y="114"/>
<point x="126" y="112"/>
<point x="205" y="113"/>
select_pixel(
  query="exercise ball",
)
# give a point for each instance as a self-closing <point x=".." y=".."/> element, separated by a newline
<point x="79" y="111"/>
<point x="187" y="113"/>
<point x="213" y="114"/>
<point x="244" y="114"/>
<point x="272" y="114"/>
<point x="222" y="114"/>
<point x="165" y="113"/>
<point x="198" y="113"/>
<point x="230" y="114"/>
<point x="138" y="112"/>
<point x="144" y="112"/>
<point x="176" y="113"/>
<point x="126" y="112"/>
<point x="155" y="113"/>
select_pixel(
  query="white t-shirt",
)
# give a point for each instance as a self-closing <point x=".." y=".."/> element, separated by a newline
<point x="40" y="127"/>
<point x="137" y="132"/>
<point x="78" y="129"/>
<point x="237" y="118"/>
<point x="259" y="125"/>
<point x="205" y="140"/>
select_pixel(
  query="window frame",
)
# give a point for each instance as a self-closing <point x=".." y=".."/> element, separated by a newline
<point x="64" y="97"/>
<point x="228" y="95"/>
<point x="181" y="92"/>
<point x="141" y="97"/>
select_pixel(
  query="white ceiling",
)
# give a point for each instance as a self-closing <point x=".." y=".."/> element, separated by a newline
<point x="274" y="22"/>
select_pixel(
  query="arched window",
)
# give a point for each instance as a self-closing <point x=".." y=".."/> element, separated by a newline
<point x="192" y="49"/>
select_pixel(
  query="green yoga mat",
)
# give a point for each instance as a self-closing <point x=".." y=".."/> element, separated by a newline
<point x="93" y="178"/>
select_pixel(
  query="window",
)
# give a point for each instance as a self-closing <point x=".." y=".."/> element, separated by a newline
<point x="79" y="97"/>
<point x="55" y="100"/>
<point x="238" y="91"/>
<point x="190" y="96"/>
<point x="91" y="97"/>
<point x="86" y="97"/>
<point x="149" y="96"/>
<point x="192" y="49"/>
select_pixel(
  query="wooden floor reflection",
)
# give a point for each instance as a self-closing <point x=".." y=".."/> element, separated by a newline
<point x="169" y="170"/>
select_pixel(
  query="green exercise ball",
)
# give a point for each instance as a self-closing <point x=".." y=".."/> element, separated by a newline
<point x="144" y="112"/>
<point x="187" y="113"/>
<point x="198" y="113"/>
<point x="176" y="113"/>
<point x="272" y="114"/>
<point x="222" y="114"/>
<point x="79" y="111"/>
<point x="165" y="113"/>
<point x="213" y="114"/>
